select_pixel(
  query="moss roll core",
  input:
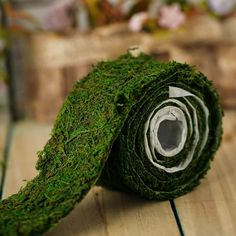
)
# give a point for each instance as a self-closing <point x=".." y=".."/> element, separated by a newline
<point x="132" y="124"/>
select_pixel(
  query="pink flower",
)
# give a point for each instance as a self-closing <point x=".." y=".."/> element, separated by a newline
<point x="171" y="16"/>
<point x="58" y="15"/>
<point x="137" y="20"/>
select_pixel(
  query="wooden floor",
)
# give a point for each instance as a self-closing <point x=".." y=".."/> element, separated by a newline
<point x="210" y="210"/>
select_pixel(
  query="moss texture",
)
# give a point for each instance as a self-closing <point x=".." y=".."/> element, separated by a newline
<point x="98" y="138"/>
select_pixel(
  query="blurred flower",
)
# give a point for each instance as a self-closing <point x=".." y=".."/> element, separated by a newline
<point x="171" y="16"/>
<point x="137" y="20"/>
<point x="58" y="16"/>
<point x="222" y="7"/>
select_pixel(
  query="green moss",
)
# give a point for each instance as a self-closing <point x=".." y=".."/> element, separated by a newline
<point x="98" y="138"/>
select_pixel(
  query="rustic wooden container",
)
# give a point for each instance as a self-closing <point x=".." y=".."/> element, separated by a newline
<point x="55" y="62"/>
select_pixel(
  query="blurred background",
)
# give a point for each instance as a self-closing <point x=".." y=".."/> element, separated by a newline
<point x="47" y="45"/>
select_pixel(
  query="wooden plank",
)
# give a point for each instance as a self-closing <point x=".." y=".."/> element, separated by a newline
<point x="102" y="212"/>
<point x="27" y="139"/>
<point x="110" y="213"/>
<point x="211" y="208"/>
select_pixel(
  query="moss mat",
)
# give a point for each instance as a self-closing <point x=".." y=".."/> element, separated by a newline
<point x="107" y="133"/>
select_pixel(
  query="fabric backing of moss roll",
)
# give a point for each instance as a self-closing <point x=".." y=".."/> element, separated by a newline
<point x="98" y="138"/>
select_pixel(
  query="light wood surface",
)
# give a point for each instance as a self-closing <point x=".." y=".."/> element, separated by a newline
<point x="209" y="210"/>
<point x="28" y="138"/>
<point x="109" y="213"/>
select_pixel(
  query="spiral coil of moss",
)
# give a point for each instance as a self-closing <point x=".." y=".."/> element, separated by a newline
<point x="132" y="124"/>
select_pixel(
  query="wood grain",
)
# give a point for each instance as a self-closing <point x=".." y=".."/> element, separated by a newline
<point x="110" y="213"/>
<point x="102" y="212"/>
<point x="27" y="139"/>
<point x="211" y="208"/>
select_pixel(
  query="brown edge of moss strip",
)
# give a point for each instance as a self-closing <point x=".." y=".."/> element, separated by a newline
<point x="92" y="125"/>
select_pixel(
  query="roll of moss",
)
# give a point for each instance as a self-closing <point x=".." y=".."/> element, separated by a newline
<point x="132" y="124"/>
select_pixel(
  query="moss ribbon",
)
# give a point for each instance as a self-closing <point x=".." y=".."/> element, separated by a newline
<point x="132" y="124"/>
